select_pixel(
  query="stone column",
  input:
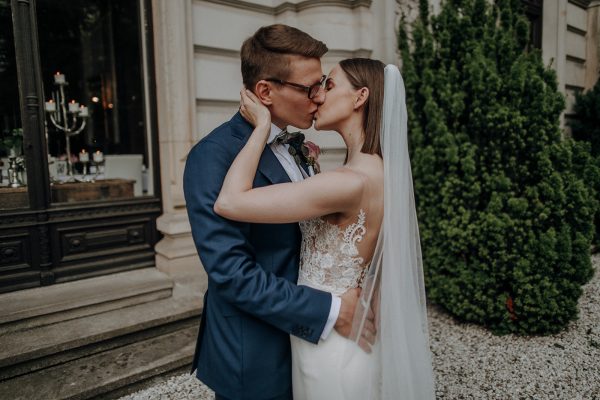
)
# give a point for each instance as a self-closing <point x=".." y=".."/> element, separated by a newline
<point x="593" y="45"/>
<point x="554" y="20"/>
<point x="175" y="253"/>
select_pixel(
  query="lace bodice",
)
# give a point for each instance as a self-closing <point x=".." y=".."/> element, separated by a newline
<point x="329" y="258"/>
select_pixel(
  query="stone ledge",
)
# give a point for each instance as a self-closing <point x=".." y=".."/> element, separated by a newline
<point x="51" y="304"/>
<point x="48" y="341"/>
<point x="107" y="371"/>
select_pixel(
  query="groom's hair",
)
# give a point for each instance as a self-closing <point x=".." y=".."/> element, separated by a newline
<point x="264" y="54"/>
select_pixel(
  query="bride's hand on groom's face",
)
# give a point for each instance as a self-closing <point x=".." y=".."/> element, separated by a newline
<point x="253" y="110"/>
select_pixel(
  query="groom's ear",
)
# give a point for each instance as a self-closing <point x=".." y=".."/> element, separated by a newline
<point x="264" y="91"/>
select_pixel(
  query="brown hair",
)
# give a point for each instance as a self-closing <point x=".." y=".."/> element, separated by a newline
<point x="364" y="72"/>
<point x="264" y="54"/>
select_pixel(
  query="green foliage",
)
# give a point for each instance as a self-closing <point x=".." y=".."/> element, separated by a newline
<point x="585" y="127"/>
<point x="13" y="141"/>
<point x="505" y="219"/>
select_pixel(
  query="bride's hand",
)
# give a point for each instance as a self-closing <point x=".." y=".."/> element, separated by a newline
<point x="254" y="111"/>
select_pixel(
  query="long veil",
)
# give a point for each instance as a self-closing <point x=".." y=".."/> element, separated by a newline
<point x="401" y="366"/>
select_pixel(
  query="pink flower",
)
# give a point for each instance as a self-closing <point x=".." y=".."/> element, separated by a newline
<point x="313" y="150"/>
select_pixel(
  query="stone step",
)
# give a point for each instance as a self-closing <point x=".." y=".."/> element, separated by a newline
<point x="106" y="371"/>
<point x="48" y="305"/>
<point x="39" y="347"/>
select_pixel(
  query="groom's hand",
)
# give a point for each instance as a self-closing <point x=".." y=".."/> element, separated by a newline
<point x="343" y="325"/>
<point x="369" y="332"/>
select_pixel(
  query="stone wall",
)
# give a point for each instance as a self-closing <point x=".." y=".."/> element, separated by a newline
<point x="197" y="46"/>
<point x="198" y="77"/>
<point x="570" y="40"/>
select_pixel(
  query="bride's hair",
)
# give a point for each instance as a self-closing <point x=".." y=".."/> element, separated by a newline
<point x="364" y="72"/>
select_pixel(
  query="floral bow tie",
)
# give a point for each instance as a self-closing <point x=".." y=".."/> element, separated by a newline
<point x="301" y="151"/>
<point x="291" y="138"/>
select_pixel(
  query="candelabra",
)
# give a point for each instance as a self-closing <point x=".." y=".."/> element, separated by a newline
<point x="15" y="166"/>
<point x="70" y="118"/>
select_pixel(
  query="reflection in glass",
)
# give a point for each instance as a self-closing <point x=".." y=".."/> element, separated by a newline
<point x="13" y="179"/>
<point x="95" y="47"/>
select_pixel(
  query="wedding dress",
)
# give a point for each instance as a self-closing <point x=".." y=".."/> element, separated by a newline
<point x="330" y="261"/>
<point x="399" y="366"/>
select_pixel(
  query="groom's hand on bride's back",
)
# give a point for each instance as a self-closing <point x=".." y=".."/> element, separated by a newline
<point x="343" y="325"/>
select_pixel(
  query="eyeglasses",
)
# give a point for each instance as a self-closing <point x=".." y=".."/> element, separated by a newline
<point x="312" y="90"/>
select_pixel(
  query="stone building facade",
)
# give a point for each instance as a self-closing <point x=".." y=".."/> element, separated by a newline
<point x="197" y="46"/>
<point x="129" y="320"/>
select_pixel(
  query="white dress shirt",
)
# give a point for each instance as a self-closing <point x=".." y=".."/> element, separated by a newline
<point x="297" y="174"/>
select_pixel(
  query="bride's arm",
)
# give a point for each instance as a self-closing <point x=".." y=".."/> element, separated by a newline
<point x="323" y="194"/>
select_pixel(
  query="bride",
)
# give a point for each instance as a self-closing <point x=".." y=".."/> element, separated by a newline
<point x="359" y="229"/>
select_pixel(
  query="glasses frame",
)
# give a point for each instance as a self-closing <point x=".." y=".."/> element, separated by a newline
<point x="308" y="89"/>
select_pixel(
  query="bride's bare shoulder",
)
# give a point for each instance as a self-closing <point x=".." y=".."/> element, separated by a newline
<point x="353" y="180"/>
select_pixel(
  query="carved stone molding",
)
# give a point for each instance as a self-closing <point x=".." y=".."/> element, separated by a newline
<point x="337" y="53"/>
<point x="288" y="6"/>
<point x="581" y="3"/>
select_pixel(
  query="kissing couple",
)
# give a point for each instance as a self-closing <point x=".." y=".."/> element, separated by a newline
<point x="315" y="280"/>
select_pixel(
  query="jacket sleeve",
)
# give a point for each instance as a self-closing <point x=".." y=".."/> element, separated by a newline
<point x="228" y="257"/>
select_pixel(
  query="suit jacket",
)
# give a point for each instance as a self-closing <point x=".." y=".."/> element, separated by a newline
<point x="252" y="303"/>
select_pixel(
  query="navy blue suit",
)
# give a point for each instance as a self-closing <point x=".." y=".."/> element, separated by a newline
<point x="252" y="303"/>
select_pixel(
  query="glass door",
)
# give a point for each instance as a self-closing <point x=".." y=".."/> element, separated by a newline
<point x="91" y="64"/>
<point x="13" y="175"/>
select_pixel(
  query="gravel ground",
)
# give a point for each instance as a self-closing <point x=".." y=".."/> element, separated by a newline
<point x="471" y="363"/>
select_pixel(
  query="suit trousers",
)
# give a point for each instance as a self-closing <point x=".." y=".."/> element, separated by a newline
<point x="287" y="396"/>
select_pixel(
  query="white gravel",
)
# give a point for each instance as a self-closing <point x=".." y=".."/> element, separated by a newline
<point x="471" y="363"/>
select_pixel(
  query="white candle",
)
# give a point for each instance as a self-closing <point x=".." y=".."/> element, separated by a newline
<point x="98" y="156"/>
<point x="83" y="111"/>
<point x="84" y="156"/>
<point x="59" y="78"/>
<point x="50" y="106"/>
<point x="73" y="107"/>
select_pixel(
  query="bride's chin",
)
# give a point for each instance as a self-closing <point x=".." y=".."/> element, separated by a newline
<point x="319" y="126"/>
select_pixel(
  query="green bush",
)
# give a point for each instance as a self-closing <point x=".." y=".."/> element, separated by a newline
<point x="585" y="127"/>
<point x="505" y="220"/>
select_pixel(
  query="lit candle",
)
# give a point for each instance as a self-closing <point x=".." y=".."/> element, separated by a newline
<point x="73" y="107"/>
<point x="84" y="156"/>
<point x="83" y="111"/>
<point x="98" y="156"/>
<point x="50" y="106"/>
<point x="59" y="78"/>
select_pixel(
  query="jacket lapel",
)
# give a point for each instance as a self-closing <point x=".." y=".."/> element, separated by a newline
<point x="268" y="165"/>
<point x="305" y="167"/>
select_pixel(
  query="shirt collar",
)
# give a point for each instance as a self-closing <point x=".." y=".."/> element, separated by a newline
<point x="275" y="130"/>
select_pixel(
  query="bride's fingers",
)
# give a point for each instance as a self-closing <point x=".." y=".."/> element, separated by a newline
<point x="252" y="96"/>
<point x="244" y="97"/>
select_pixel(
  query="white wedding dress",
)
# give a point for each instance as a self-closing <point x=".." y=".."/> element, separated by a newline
<point x="392" y="283"/>
<point x="336" y="368"/>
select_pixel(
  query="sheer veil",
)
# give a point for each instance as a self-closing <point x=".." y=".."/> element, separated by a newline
<point x="394" y="288"/>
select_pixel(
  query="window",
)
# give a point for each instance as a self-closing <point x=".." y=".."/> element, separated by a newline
<point x="13" y="180"/>
<point x="64" y="64"/>
<point x="91" y="50"/>
<point x="533" y="11"/>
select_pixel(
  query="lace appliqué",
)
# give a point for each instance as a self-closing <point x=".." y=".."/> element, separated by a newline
<point x="329" y="258"/>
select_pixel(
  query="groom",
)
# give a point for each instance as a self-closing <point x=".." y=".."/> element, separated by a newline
<point x="253" y="304"/>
